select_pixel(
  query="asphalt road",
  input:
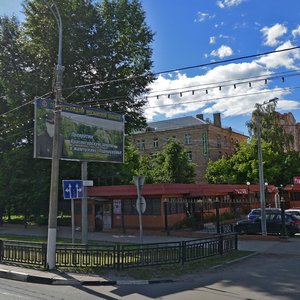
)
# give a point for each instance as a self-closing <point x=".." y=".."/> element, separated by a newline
<point x="263" y="276"/>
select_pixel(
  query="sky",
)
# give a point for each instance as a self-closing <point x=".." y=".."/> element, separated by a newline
<point x="196" y="37"/>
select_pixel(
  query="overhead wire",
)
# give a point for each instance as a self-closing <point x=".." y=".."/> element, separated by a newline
<point x="182" y="68"/>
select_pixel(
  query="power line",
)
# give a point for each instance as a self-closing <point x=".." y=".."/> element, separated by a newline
<point x="182" y="69"/>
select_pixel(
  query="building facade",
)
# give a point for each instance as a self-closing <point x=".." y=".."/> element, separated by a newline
<point x="114" y="207"/>
<point x="203" y="140"/>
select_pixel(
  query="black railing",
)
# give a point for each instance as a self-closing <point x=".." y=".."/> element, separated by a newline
<point x="25" y="253"/>
<point x="117" y="256"/>
<point x="103" y="256"/>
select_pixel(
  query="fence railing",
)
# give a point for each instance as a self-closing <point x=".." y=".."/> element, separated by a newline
<point x="117" y="256"/>
<point x="25" y="253"/>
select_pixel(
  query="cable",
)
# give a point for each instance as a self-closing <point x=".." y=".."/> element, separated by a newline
<point x="184" y="68"/>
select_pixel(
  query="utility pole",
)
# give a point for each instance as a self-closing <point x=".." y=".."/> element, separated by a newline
<point x="52" y="221"/>
<point x="261" y="169"/>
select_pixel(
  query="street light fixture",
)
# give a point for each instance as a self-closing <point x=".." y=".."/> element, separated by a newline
<point x="260" y="167"/>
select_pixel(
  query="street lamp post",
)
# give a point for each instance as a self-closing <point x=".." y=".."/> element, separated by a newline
<point x="261" y="170"/>
<point x="266" y="192"/>
<point x="52" y="222"/>
<point x="248" y="190"/>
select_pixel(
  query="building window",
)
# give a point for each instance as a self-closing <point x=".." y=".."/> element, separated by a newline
<point x="218" y="141"/>
<point x="187" y="139"/>
<point x="155" y="143"/>
<point x="204" y="143"/>
<point x="189" y="155"/>
<point x="138" y="144"/>
<point x="225" y="141"/>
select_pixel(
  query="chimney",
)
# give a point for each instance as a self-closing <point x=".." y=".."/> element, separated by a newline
<point x="217" y="119"/>
<point x="199" y="116"/>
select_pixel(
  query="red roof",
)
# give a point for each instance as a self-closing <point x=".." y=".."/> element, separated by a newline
<point x="189" y="190"/>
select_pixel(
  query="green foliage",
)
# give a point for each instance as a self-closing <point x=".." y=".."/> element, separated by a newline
<point x="103" y="42"/>
<point x="242" y="166"/>
<point x="171" y="165"/>
<point x="188" y="222"/>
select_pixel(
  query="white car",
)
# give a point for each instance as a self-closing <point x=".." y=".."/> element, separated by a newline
<point x="293" y="211"/>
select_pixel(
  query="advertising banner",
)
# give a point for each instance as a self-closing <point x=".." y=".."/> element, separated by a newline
<point x="86" y="134"/>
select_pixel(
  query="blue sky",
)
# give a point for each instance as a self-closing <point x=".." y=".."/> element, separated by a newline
<point x="195" y="32"/>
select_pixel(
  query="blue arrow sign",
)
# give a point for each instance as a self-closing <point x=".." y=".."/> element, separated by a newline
<point x="73" y="189"/>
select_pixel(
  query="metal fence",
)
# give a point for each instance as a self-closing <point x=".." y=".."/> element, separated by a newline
<point x="25" y="253"/>
<point x="117" y="256"/>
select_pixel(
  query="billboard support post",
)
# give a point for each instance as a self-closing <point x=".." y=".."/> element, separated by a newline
<point x="52" y="221"/>
<point x="84" y="206"/>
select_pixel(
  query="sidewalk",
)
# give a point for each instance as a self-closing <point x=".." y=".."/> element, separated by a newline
<point x="288" y="246"/>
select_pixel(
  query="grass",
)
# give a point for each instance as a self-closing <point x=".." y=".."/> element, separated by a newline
<point x="176" y="270"/>
<point x="171" y="271"/>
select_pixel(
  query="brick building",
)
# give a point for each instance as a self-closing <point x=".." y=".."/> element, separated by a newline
<point x="203" y="140"/>
<point x="291" y="127"/>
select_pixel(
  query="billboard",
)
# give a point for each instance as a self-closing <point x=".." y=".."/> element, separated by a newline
<point x="85" y="134"/>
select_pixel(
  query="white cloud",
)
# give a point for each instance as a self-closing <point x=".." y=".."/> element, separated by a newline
<point x="286" y="59"/>
<point x="212" y="40"/>
<point x="229" y="3"/>
<point x="271" y="34"/>
<point x="229" y="101"/>
<point x="222" y="52"/>
<point x="202" y="16"/>
<point x="296" y="31"/>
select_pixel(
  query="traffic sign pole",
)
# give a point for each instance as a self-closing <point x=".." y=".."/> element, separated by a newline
<point x="139" y="182"/>
<point x="73" y="221"/>
<point x="84" y="210"/>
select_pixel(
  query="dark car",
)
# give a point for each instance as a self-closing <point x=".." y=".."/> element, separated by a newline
<point x="254" y="213"/>
<point x="273" y="223"/>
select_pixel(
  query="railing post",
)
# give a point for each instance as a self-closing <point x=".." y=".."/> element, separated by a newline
<point x="1" y="250"/>
<point x="221" y="244"/>
<point x="117" y="257"/>
<point x="44" y="256"/>
<point x="235" y="241"/>
<point x="183" y="252"/>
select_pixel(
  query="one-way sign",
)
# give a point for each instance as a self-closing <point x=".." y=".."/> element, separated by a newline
<point x="73" y="189"/>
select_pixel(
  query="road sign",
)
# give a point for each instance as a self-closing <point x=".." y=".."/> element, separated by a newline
<point x="73" y="189"/>
<point x="140" y="205"/>
<point x="88" y="183"/>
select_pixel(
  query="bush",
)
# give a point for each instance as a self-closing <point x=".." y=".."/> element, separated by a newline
<point x="189" y="222"/>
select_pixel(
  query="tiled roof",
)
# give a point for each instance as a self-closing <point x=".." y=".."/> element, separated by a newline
<point x="176" y="123"/>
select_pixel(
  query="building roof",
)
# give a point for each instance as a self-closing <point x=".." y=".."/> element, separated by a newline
<point x="176" y="123"/>
<point x="188" y="190"/>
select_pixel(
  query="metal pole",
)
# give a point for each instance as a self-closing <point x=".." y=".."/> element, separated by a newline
<point x="73" y="221"/>
<point x="84" y="206"/>
<point x="261" y="178"/>
<point x="217" y="202"/>
<point x="52" y="221"/>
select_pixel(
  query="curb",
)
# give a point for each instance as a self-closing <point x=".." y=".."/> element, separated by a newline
<point x="233" y="261"/>
<point x="19" y="276"/>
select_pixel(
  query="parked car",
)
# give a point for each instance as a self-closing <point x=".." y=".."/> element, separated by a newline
<point x="273" y="223"/>
<point x="256" y="212"/>
<point x="294" y="211"/>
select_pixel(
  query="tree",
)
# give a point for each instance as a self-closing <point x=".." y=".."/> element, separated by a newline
<point x="242" y="166"/>
<point x="271" y="130"/>
<point x="171" y="165"/>
<point x="106" y="43"/>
